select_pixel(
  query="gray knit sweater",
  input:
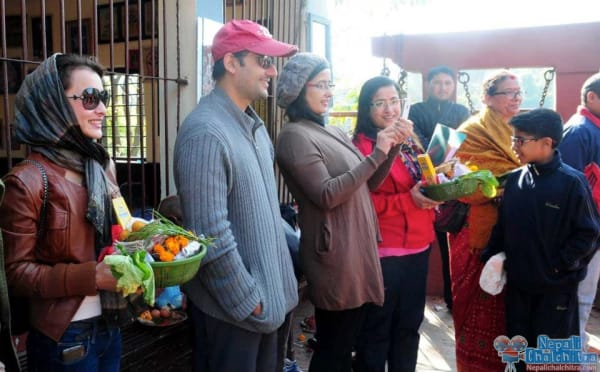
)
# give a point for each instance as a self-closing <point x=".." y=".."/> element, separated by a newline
<point x="224" y="176"/>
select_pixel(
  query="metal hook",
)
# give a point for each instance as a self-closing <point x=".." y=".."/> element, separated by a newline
<point x="463" y="77"/>
<point x="385" y="71"/>
<point x="548" y="76"/>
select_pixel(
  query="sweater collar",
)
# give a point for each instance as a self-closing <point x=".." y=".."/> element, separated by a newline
<point x="248" y="118"/>
<point x="583" y="111"/>
<point x="539" y="169"/>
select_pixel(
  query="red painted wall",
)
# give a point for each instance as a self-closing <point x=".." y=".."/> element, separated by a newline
<point x="573" y="50"/>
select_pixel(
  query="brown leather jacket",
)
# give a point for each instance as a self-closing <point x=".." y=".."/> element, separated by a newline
<point x="59" y="270"/>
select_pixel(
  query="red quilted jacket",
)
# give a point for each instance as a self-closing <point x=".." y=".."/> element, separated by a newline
<point x="402" y="223"/>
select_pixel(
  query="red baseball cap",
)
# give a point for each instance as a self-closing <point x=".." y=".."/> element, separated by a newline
<point x="238" y="35"/>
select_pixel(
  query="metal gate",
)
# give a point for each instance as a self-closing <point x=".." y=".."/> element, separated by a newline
<point x="285" y="20"/>
<point x="127" y="38"/>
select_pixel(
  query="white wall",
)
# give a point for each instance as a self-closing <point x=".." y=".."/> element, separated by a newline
<point x="171" y="93"/>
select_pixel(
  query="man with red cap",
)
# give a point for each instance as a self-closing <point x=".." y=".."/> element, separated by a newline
<point x="224" y="176"/>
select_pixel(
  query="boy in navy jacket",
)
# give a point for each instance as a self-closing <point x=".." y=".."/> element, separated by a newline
<point x="548" y="227"/>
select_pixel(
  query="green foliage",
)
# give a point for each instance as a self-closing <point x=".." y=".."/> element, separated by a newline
<point x="346" y="102"/>
<point x="349" y="102"/>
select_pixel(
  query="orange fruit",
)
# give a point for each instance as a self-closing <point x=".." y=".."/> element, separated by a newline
<point x="137" y="225"/>
<point x="124" y="235"/>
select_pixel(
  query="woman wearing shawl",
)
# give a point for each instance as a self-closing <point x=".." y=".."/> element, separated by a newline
<point x="391" y="333"/>
<point x="478" y="316"/>
<point x="51" y="255"/>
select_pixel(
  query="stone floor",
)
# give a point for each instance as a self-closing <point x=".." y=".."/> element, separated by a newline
<point x="436" y="349"/>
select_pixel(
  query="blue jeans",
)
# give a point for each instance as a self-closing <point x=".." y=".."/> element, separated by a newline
<point x="586" y="293"/>
<point x="94" y="347"/>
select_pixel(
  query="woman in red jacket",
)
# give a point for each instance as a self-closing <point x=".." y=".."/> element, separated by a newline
<point x="405" y="218"/>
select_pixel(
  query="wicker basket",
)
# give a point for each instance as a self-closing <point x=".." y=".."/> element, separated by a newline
<point x="451" y="190"/>
<point x="177" y="272"/>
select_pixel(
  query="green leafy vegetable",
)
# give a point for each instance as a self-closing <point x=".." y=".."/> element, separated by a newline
<point x="488" y="182"/>
<point x="132" y="271"/>
<point x="163" y="226"/>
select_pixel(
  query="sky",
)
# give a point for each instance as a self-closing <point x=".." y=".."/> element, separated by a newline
<point x="354" y="23"/>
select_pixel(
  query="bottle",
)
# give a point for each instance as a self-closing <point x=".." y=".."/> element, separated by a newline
<point x="427" y="169"/>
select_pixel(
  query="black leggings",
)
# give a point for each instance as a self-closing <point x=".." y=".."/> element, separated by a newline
<point x="391" y="333"/>
<point x="336" y="336"/>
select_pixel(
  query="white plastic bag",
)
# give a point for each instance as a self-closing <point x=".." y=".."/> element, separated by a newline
<point x="493" y="276"/>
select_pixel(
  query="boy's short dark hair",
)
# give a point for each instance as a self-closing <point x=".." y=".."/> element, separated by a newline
<point x="440" y="70"/>
<point x="540" y="122"/>
<point x="592" y="84"/>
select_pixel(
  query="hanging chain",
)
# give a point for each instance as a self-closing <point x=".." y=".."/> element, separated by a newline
<point x="385" y="71"/>
<point x="402" y="83"/>
<point x="464" y="79"/>
<point x="548" y="76"/>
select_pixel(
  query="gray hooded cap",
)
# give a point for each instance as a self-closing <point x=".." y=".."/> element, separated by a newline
<point x="295" y="75"/>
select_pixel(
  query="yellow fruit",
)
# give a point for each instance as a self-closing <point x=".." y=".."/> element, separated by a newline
<point x="124" y="235"/>
<point x="137" y="225"/>
<point x="472" y="166"/>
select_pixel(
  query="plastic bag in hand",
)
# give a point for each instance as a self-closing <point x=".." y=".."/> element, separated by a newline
<point x="493" y="276"/>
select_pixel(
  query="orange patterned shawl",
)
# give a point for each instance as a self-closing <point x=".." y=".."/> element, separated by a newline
<point x="488" y="146"/>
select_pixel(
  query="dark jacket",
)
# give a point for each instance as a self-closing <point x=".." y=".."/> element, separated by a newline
<point x="57" y="272"/>
<point x="425" y="115"/>
<point x="581" y="141"/>
<point x="580" y="145"/>
<point x="548" y="226"/>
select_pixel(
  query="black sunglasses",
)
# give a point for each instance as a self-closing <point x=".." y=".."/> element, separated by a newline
<point x="91" y="98"/>
<point x="265" y="61"/>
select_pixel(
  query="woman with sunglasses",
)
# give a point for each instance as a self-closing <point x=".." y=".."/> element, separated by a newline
<point x="328" y="178"/>
<point x="52" y="249"/>
<point x="478" y="316"/>
<point x="391" y="333"/>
